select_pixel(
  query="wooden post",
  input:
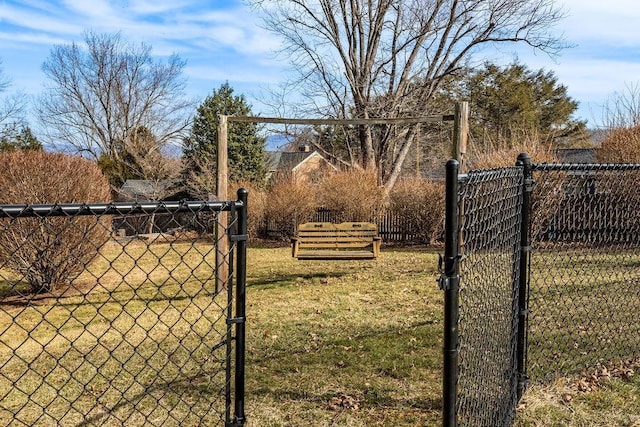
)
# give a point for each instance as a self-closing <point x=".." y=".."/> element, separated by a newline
<point x="460" y="135"/>
<point x="460" y="132"/>
<point x="222" y="253"/>
<point x="418" y="136"/>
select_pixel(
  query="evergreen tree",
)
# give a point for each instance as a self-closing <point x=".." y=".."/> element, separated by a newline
<point x="246" y="149"/>
<point x="21" y="139"/>
<point x="506" y="102"/>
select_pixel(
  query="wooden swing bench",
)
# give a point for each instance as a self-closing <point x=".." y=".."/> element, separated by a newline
<point x="345" y="241"/>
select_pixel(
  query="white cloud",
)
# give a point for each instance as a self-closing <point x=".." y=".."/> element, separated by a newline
<point x="36" y="20"/>
<point x="144" y="7"/>
<point x="17" y="40"/>
<point x="97" y="9"/>
<point x="602" y="22"/>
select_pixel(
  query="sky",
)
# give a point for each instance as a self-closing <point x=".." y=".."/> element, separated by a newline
<point x="223" y="40"/>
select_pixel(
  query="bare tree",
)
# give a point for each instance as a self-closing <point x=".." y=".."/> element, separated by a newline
<point x="622" y="109"/>
<point x="621" y="126"/>
<point x="11" y="107"/>
<point x="100" y="94"/>
<point x="144" y="159"/>
<point x="387" y="58"/>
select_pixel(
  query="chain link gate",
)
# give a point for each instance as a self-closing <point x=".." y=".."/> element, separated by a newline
<point x="99" y="328"/>
<point x="559" y="297"/>
<point x="485" y="251"/>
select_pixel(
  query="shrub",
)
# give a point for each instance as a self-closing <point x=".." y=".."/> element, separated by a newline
<point x="620" y="145"/>
<point x="352" y="196"/>
<point x="420" y="204"/>
<point x="288" y="204"/>
<point x="256" y="223"/>
<point x="549" y="193"/>
<point x="50" y="252"/>
<point x="505" y="152"/>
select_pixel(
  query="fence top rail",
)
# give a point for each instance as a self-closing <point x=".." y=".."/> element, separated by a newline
<point x="585" y="166"/>
<point x="489" y="173"/>
<point x="114" y="208"/>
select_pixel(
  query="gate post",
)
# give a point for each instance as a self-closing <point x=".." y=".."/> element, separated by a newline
<point x="449" y="283"/>
<point x="524" y="160"/>
<point x="241" y="281"/>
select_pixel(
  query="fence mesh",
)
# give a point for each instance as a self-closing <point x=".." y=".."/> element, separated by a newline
<point x="100" y="328"/>
<point x="584" y="294"/>
<point x="490" y="205"/>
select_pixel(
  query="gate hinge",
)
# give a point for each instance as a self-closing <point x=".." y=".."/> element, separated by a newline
<point x="238" y="237"/>
<point x="235" y="320"/>
<point x="525" y="248"/>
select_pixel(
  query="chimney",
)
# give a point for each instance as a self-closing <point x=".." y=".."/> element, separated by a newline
<point x="304" y="148"/>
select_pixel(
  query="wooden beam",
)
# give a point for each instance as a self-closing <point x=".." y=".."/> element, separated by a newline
<point x="390" y="121"/>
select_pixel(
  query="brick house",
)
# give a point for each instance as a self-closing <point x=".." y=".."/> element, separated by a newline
<point x="303" y="165"/>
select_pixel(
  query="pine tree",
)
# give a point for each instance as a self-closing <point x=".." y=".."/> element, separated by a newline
<point x="246" y="148"/>
<point x="21" y="139"/>
<point x="508" y="101"/>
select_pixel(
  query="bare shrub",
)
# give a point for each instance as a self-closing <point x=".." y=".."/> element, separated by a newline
<point x="288" y="204"/>
<point x="353" y="195"/>
<point x="50" y="252"/>
<point x="504" y="152"/>
<point x="548" y="193"/>
<point x="256" y="223"/>
<point x="620" y="145"/>
<point x="420" y="204"/>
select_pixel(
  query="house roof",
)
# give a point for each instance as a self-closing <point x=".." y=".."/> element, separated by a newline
<point x="142" y="189"/>
<point x="577" y="155"/>
<point x="285" y="160"/>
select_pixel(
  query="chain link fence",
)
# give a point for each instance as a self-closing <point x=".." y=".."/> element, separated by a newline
<point x="489" y="205"/>
<point x="584" y="294"/>
<point x="102" y="328"/>
<point x="541" y="281"/>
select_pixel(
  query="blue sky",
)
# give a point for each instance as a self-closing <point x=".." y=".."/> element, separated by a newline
<point x="222" y="40"/>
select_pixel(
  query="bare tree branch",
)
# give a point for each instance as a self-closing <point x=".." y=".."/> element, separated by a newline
<point x="366" y="58"/>
<point x="99" y="94"/>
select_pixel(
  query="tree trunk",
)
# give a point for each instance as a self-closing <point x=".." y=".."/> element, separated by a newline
<point x="398" y="161"/>
<point x="366" y="144"/>
<point x="152" y="219"/>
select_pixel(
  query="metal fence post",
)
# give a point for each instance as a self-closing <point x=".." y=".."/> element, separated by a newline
<point x="523" y="286"/>
<point x="449" y="283"/>
<point x="241" y="281"/>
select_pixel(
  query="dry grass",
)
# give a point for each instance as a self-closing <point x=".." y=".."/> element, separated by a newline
<point x="611" y="403"/>
<point x="344" y="343"/>
<point x="356" y="343"/>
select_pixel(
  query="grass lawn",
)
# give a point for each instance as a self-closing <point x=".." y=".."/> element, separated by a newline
<point x="348" y="343"/>
<point x="343" y="343"/>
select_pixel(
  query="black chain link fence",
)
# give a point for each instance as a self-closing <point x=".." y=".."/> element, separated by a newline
<point x="541" y="281"/>
<point x="490" y="204"/>
<point x="103" y="328"/>
<point x="585" y="275"/>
